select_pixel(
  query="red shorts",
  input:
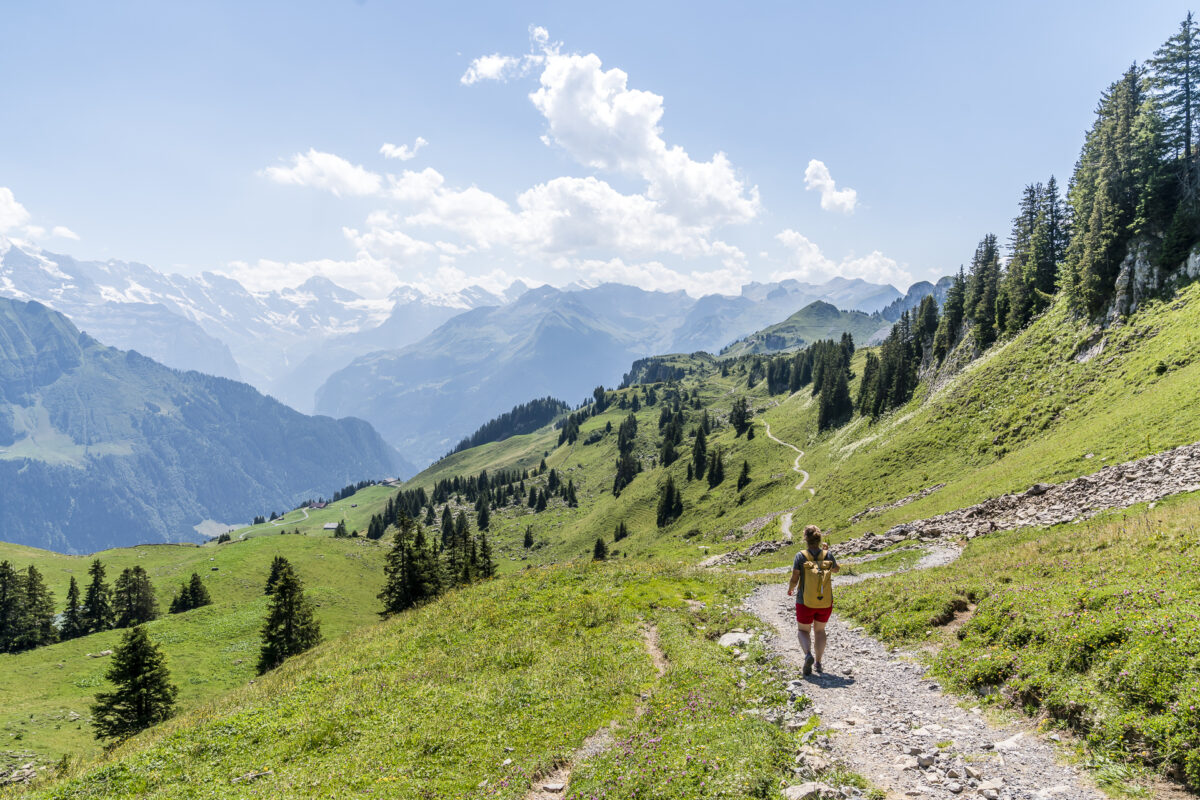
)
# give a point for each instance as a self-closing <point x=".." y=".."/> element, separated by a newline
<point x="806" y="615"/>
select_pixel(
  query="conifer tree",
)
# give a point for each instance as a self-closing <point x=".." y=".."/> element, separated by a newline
<point x="953" y="314"/>
<point x="749" y="433"/>
<point x="744" y="477"/>
<point x="699" y="453"/>
<point x="670" y="504"/>
<point x="97" y="610"/>
<point x="600" y="551"/>
<point x="486" y="566"/>
<point x="572" y="498"/>
<point x="834" y="406"/>
<point x="36" y="620"/>
<point x="291" y="626"/>
<point x="12" y="596"/>
<point x="716" y="468"/>
<point x="198" y="592"/>
<point x="133" y="598"/>
<point x="528" y="541"/>
<point x="278" y="565"/>
<point x="483" y="517"/>
<point x="739" y="415"/>
<point x="621" y="532"/>
<point x="1176" y="79"/>
<point x="541" y="501"/>
<point x="72" y="620"/>
<point x="143" y="696"/>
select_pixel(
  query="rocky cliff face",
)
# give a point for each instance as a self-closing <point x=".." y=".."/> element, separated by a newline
<point x="1141" y="277"/>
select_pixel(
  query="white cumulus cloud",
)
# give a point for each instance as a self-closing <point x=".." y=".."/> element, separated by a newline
<point x="15" y="220"/>
<point x="13" y="216"/>
<point x="402" y="152"/>
<point x="326" y="171"/>
<point x="806" y="262"/>
<point x="816" y="176"/>
<point x="594" y="115"/>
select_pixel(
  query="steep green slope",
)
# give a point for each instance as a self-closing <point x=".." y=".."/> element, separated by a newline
<point x="478" y="694"/>
<point x="812" y="323"/>
<point x="211" y="650"/>
<point x="101" y="447"/>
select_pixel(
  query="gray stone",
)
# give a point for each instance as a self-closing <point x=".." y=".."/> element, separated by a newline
<point x="734" y="639"/>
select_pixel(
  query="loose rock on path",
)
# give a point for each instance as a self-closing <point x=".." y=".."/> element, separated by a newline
<point x="889" y="720"/>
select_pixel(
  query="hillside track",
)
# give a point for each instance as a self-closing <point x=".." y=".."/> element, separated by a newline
<point x="795" y="463"/>
<point x="896" y="727"/>
<point x="554" y="785"/>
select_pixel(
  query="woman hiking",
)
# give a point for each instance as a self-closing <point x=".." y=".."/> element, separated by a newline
<point x="812" y="573"/>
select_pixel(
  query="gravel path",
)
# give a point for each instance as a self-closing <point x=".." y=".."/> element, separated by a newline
<point x="888" y="719"/>
<point x="796" y="463"/>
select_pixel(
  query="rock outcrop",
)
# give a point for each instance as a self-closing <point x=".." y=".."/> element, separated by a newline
<point x="1119" y="486"/>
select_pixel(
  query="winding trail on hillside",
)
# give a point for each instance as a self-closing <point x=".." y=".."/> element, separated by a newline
<point x="554" y="785"/>
<point x="896" y="727"/>
<point x="795" y="464"/>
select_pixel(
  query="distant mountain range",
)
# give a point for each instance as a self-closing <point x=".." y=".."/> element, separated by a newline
<point x="101" y="447"/>
<point x="814" y="322"/>
<point x="424" y="369"/>
<point x="425" y="397"/>
<point x="213" y="324"/>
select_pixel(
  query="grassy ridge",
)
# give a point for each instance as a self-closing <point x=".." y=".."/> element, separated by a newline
<point x="1096" y="625"/>
<point x="210" y="650"/>
<point x="433" y="702"/>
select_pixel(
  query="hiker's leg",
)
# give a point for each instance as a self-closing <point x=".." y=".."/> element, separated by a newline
<point x="819" y="638"/>
<point x="802" y="635"/>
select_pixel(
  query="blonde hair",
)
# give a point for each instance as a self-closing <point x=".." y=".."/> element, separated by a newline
<point x="812" y="535"/>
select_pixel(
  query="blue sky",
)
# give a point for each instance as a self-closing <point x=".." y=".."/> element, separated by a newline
<point x="246" y="137"/>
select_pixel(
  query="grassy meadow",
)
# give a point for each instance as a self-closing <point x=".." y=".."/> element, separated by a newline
<point x="476" y="695"/>
<point x="45" y="693"/>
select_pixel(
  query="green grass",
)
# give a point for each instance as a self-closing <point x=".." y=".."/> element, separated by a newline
<point x="210" y="650"/>
<point x="431" y="703"/>
<point x="1095" y="625"/>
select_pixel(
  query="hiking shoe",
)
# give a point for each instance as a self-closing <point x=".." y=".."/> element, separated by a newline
<point x="808" y="664"/>
<point x="817" y="667"/>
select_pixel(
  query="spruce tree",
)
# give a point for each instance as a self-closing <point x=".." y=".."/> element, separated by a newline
<point x="72" y="620"/>
<point x="621" y="531"/>
<point x="541" y="501"/>
<point x="291" y="626"/>
<point x="143" y="695"/>
<point x="486" y="566"/>
<point x="36" y="622"/>
<point x="97" y="610"/>
<point x="133" y="598"/>
<point x="198" y="592"/>
<point x="716" y="468"/>
<point x="670" y="504"/>
<point x="744" y="477"/>
<point x="1176" y="79"/>
<point x="572" y="498"/>
<point x="600" y="551"/>
<point x="953" y="314"/>
<point x="528" y="541"/>
<point x="12" y="598"/>
<point x="483" y="517"/>
<point x="278" y="565"/>
<point x="749" y="433"/>
<point x="699" y="453"/>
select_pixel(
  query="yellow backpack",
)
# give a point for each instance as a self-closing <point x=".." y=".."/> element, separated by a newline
<point x="818" y="580"/>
